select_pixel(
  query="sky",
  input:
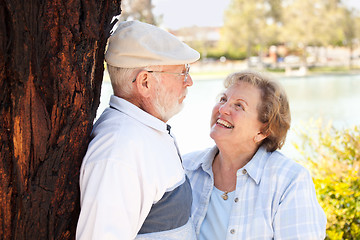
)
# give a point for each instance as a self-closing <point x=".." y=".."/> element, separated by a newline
<point x="180" y="13"/>
<point x="187" y="13"/>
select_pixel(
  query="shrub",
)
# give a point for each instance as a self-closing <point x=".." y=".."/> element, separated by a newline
<point x="333" y="157"/>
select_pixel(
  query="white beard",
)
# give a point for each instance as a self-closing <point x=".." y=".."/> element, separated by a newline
<point x="166" y="105"/>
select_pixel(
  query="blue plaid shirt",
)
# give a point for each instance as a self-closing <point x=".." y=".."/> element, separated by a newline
<point x="274" y="198"/>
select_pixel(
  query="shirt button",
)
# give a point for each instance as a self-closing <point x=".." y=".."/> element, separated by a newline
<point x="236" y="199"/>
<point x="232" y="231"/>
<point x="244" y="171"/>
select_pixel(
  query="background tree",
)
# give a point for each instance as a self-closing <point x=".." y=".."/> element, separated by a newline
<point x="350" y="25"/>
<point x="243" y="24"/>
<point x="137" y="10"/>
<point x="250" y="24"/>
<point x="51" y="69"/>
<point x="302" y="21"/>
<point x="317" y="23"/>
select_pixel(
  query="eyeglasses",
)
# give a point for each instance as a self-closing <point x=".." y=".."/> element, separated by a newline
<point x="186" y="73"/>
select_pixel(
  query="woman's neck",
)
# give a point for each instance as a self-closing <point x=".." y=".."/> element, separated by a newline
<point x="226" y="164"/>
<point x="224" y="174"/>
<point x="235" y="157"/>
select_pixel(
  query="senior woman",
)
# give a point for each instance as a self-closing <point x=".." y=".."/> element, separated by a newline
<point x="243" y="188"/>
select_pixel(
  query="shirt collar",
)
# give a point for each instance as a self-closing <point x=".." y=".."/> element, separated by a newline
<point x="255" y="166"/>
<point x="205" y="161"/>
<point x="138" y="114"/>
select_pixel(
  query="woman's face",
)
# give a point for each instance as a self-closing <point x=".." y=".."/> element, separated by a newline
<point x="234" y="119"/>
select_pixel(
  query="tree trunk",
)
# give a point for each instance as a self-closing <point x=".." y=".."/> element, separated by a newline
<point x="351" y="49"/>
<point x="51" y="69"/>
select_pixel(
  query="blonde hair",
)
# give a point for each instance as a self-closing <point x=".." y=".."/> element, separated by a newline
<point x="273" y="111"/>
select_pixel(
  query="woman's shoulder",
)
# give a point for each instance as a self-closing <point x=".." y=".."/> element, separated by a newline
<point x="193" y="160"/>
<point x="279" y="164"/>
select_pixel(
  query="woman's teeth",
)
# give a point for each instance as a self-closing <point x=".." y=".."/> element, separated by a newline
<point x="224" y="123"/>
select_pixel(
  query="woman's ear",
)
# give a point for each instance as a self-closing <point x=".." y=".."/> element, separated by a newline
<point x="260" y="136"/>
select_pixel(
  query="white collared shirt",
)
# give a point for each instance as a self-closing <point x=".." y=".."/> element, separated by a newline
<point x="131" y="162"/>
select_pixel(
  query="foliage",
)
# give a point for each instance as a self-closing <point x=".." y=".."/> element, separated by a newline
<point x="251" y="27"/>
<point x="235" y="54"/>
<point x="246" y="25"/>
<point x="333" y="156"/>
<point x="296" y="23"/>
<point x="138" y="9"/>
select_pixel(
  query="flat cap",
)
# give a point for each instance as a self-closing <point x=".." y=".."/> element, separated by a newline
<point x="137" y="44"/>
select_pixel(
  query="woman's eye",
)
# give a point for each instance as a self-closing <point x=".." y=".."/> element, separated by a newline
<point x="239" y="106"/>
<point x="222" y="99"/>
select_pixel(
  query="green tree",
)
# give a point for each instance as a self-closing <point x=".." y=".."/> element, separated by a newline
<point x="250" y="25"/>
<point x="137" y="10"/>
<point x="350" y="23"/>
<point x="301" y="21"/>
<point x="317" y="23"/>
<point x="243" y="25"/>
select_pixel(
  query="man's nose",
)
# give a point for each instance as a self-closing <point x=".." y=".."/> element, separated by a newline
<point x="189" y="82"/>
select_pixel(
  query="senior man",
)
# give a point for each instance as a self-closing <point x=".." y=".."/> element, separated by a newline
<point x="132" y="182"/>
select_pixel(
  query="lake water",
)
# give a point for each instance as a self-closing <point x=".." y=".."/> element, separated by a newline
<point x="334" y="98"/>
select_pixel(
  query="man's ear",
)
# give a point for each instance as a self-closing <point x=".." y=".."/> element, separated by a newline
<point x="143" y="83"/>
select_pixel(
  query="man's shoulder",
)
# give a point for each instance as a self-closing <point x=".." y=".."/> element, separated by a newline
<point x="115" y="123"/>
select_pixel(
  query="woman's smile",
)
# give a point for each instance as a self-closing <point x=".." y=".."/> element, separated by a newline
<point x="224" y="123"/>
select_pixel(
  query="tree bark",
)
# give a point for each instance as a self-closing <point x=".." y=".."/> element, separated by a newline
<point x="51" y="70"/>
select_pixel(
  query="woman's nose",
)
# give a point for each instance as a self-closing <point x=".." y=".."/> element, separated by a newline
<point x="224" y="108"/>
